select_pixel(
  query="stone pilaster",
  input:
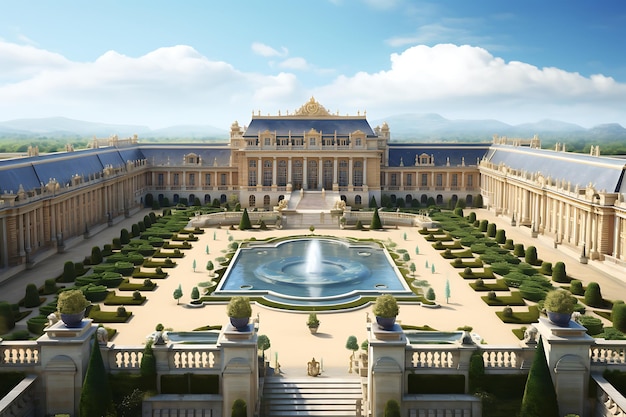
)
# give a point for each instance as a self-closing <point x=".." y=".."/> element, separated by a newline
<point x="386" y="367"/>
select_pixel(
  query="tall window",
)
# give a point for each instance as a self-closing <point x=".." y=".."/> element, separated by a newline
<point x="282" y="173"/>
<point x="358" y="173"/>
<point x="439" y="180"/>
<point x="207" y="179"/>
<point x="267" y="173"/>
<point x="297" y="174"/>
<point x="252" y="173"/>
<point x="176" y="179"/>
<point x="192" y="179"/>
<point x="160" y="180"/>
<point x="251" y="201"/>
<point x="454" y="180"/>
<point x="409" y="179"/>
<point x="223" y="179"/>
<point x="343" y="173"/>
<point x="470" y="180"/>
<point x="393" y="180"/>
<point x="424" y="180"/>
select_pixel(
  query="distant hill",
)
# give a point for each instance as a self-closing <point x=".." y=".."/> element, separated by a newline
<point x="433" y="127"/>
<point x="61" y="126"/>
<point x="426" y="127"/>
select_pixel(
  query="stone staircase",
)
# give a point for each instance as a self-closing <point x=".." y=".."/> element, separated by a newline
<point x="315" y="200"/>
<point x="311" y="396"/>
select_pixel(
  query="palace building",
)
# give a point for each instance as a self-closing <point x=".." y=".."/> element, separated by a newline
<point x="311" y="156"/>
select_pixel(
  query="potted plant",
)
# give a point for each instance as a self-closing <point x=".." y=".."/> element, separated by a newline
<point x="239" y="311"/>
<point x="559" y="305"/>
<point x="71" y="306"/>
<point x="313" y="323"/>
<point x="386" y="309"/>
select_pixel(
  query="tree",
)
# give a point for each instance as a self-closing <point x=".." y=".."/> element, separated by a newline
<point x="412" y="268"/>
<point x="244" y="223"/>
<point x="430" y="294"/>
<point x="95" y="397"/>
<point x="263" y="343"/>
<point x="210" y="267"/>
<point x="373" y="203"/>
<point x="447" y="290"/>
<point x="539" y="398"/>
<point x="392" y="409"/>
<point x="353" y="345"/>
<point x="178" y="293"/>
<point x="7" y="318"/>
<point x="193" y="265"/>
<point x="195" y="293"/>
<point x="147" y="366"/>
<point x="376" y="223"/>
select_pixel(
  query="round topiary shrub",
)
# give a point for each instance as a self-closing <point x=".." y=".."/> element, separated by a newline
<point x="136" y="295"/>
<point x="618" y="315"/>
<point x="592" y="324"/>
<point x="491" y="295"/>
<point x="518" y="249"/>
<point x="593" y="297"/>
<point x="530" y="256"/>
<point x="121" y="311"/>
<point x="576" y="287"/>
<point x="507" y="312"/>
<point x="468" y="271"/>
<point x="558" y="273"/>
<point x="479" y="282"/>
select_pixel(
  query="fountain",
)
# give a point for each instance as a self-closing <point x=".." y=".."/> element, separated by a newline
<point x="311" y="271"/>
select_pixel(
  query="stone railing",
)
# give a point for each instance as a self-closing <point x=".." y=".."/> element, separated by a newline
<point x="604" y="353"/>
<point x="21" y="401"/>
<point x="169" y="358"/>
<point x="609" y="402"/>
<point x="442" y="405"/>
<point x="19" y="355"/>
<point x="449" y="358"/>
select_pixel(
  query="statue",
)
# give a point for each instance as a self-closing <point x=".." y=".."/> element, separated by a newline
<point x="102" y="336"/>
<point x="313" y="368"/>
<point x="52" y="319"/>
<point x="530" y="335"/>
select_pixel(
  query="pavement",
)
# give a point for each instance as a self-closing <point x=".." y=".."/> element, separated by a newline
<point x="292" y="345"/>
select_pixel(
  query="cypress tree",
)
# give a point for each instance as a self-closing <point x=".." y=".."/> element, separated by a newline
<point x="95" y="397"/>
<point x="244" y="223"/>
<point x="539" y="394"/>
<point x="373" y="203"/>
<point x="147" y="367"/>
<point x="376" y="223"/>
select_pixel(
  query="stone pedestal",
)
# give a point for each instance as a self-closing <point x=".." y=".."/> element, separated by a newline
<point x="567" y="354"/>
<point x="386" y="354"/>
<point x="240" y="367"/>
<point x="65" y="354"/>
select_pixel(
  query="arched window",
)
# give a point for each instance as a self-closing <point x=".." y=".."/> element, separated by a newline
<point x="357" y="200"/>
<point x="266" y="201"/>
<point x="176" y="198"/>
<point x="251" y="201"/>
<point x="223" y="198"/>
<point x="423" y="199"/>
<point x="439" y="199"/>
<point x="469" y="199"/>
<point x="207" y="198"/>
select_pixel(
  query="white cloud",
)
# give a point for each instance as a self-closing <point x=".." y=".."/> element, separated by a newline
<point x="464" y="80"/>
<point x="178" y="85"/>
<point x="294" y="64"/>
<point x="267" y="51"/>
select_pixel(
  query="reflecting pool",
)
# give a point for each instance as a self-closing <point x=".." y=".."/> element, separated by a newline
<point x="312" y="271"/>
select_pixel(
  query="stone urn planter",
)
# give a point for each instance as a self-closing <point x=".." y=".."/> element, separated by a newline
<point x="386" y="309"/>
<point x="239" y="311"/>
<point x="71" y="307"/>
<point x="559" y="305"/>
<point x="313" y="323"/>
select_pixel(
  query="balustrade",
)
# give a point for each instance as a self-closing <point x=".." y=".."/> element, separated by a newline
<point x="19" y="353"/>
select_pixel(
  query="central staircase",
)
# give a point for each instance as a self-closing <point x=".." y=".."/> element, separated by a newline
<point x="311" y="396"/>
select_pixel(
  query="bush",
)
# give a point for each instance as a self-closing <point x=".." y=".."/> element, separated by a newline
<point x="500" y="236"/>
<point x="121" y="311"/>
<point x="593" y="297"/>
<point x="483" y="225"/>
<point x="392" y="409"/>
<point x="618" y="315"/>
<point x="31" y="298"/>
<point x="507" y="312"/>
<point x="558" y="273"/>
<point x="576" y="287"/>
<point x="530" y="256"/>
<point x="592" y="324"/>
<point x="546" y="268"/>
<point x="491" y="230"/>
<point x="518" y="249"/>
<point x="508" y="244"/>
<point x="7" y="318"/>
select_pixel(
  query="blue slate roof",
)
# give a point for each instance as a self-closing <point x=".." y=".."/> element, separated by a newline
<point x="441" y="152"/>
<point x="175" y="153"/>
<point x="605" y="173"/>
<point x="327" y="126"/>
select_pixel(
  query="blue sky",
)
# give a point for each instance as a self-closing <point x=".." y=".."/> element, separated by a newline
<point x="162" y="63"/>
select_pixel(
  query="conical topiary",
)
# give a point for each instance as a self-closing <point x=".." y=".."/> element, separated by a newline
<point x="376" y="223"/>
<point x="95" y="397"/>
<point x="539" y="395"/>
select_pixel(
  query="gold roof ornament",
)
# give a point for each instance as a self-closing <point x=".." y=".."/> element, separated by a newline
<point x="312" y="108"/>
